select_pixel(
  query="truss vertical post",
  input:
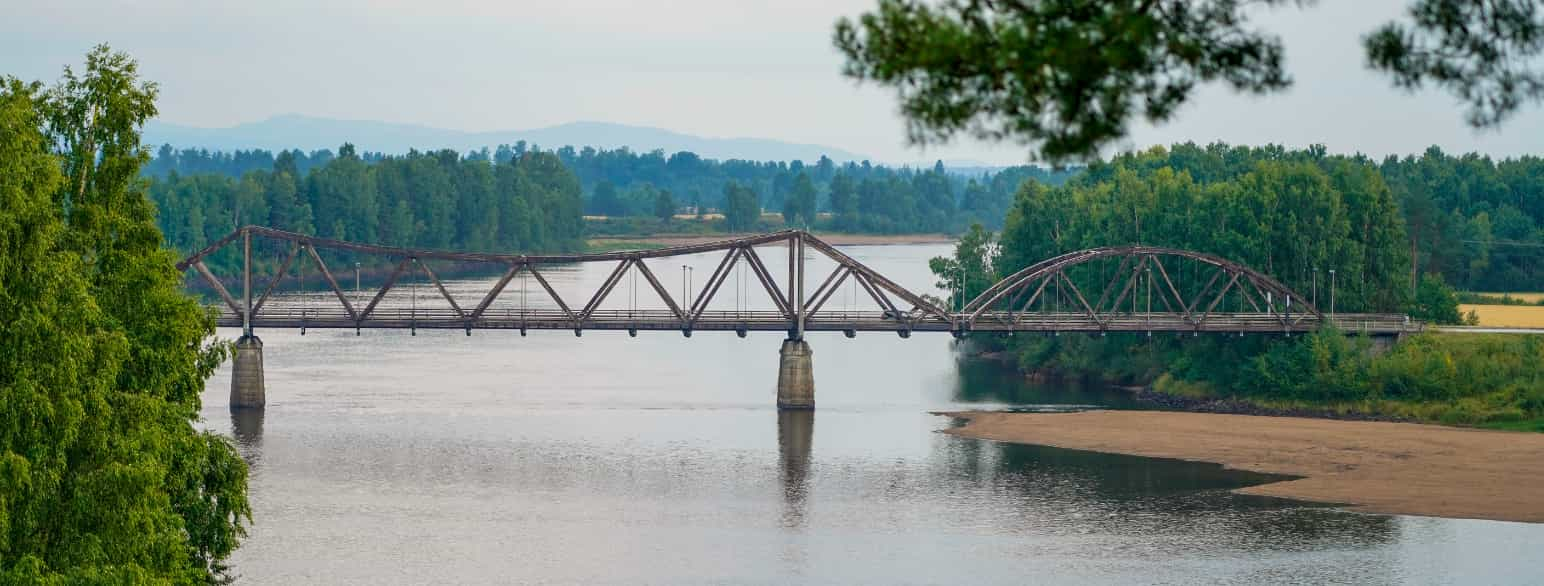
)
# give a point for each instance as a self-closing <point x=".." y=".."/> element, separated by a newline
<point x="798" y="243"/>
<point x="246" y="283"/>
<point x="798" y="308"/>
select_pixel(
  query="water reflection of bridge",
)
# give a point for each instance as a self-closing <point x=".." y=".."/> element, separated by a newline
<point x="1111" y="289"/>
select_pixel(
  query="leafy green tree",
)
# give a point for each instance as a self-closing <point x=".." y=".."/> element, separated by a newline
<point x="799" y="205"/>
<point x="741" y="211"/>
<point x="844" y="200"/>
<point x="969" y="272"/>
<point x="664" y="206"/>
<point x="103" y="477"/>
<point x="1071" y="77"/>
<point x="605" y="201"/>
<point x="1435" y="301"/>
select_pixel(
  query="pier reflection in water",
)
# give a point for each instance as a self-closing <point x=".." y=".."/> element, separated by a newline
<point x="795" y="432"/>
<point x="605" y="459"/>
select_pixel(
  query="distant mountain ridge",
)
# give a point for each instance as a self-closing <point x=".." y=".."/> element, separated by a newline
<point x="307" y="133"/>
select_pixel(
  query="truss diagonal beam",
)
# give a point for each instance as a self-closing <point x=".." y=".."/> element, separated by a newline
<point x="1094" y="315"/>
<point x="437" y="285"/>
<point x="277" y="277"/>
<point x="218" y="288"/>
<point x="1220" y="296"/>
<point x="605" y="289"/>
<point x="391" y="281"/>
<point x="711" y="286"/>
<point x="660" y="289"/>
<point x="1131" y="281"/>
<point x="821" y="290"/>
<point x="1171" y="288"/>
<point x="1104" y="296"/>
<point x="709" y="292"/>
<point x="496" y="290"/>
<point x="548" y="287"/>
<point x="821" y="300"/>
<point x="1041" y="289"/>
<point x="765" y="276"/>
<point x="1190" y="309"/>
<point x="331" y="282"/>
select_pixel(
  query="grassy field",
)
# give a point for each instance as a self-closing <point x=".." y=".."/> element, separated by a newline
<point x="1507" y="316"/>
<point x="603" y="245"/>
<point x="1529" y="297"/>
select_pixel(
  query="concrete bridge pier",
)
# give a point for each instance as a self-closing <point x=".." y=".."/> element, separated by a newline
<point x="1383" y="344"/>
<point x="795" y="376"/>
<point x="247" y="391"/>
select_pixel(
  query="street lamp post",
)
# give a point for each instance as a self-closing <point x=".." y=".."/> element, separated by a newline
<point x="687" y="272"/>
<point x="1316" y="286"/>
<point x="959" y="286"/>
<point x="357" y="290"/>
<point x="1332" y="291"/>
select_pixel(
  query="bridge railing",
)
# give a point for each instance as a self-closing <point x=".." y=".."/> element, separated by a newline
<point x="846" y="321"/>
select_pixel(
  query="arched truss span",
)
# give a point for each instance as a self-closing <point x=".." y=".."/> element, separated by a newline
<point x="1140" y="267"/>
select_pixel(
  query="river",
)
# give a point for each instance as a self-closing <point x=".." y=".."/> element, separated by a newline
<point x="389" y="458"/>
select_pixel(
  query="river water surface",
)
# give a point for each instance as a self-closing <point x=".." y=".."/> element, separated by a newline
<point x="389" y="458"/>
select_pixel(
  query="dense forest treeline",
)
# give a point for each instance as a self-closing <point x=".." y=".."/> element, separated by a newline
<point x="438" y="200"/>
<point x="1476" y="222"/>
<point x="1293" y="214"/>
<point x="853" y="196"/>
<point x="622" y="183"/>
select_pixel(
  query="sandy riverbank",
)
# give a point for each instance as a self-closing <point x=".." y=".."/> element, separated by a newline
<point x="1396" y="468"/>
<point x="834" y="239"/>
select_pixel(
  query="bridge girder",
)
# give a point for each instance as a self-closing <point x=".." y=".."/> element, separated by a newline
<point x="900" y="310"/>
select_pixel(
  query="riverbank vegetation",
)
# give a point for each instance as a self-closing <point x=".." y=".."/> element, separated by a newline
<point x="1489" y="379"/>
<point x="1294" y="215"/>
<point x="104" y="479"/>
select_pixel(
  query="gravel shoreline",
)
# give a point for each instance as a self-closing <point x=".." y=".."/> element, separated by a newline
<point x="1371" y="466"/>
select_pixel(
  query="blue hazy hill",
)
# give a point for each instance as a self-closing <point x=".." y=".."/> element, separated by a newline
<point x="308" y="133"/>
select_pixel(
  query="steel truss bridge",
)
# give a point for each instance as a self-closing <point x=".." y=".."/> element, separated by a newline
<point x="1150" y="289"/>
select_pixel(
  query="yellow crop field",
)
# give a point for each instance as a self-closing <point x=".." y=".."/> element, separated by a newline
<point x="1507" y="316"/>
<point x="1528" y="297"/>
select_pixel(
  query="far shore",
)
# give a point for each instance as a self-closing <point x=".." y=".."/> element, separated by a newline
<point x="835" y="239"/>
<point x="1375" y="467"/>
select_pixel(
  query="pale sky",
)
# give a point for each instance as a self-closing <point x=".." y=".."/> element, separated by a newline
<point x="719" y="68"/>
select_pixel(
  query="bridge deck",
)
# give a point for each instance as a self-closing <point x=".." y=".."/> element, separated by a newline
<point x="1191" y="299"/>
<point x="868" y="321"/>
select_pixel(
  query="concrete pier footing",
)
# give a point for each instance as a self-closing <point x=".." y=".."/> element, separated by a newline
<point x="795" y="376"/>
<point x="1383" y="344"/>
<point x="247" y="391"/>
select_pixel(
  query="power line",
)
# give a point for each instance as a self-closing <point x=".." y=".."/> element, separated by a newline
<point x="1506" y="243"/>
